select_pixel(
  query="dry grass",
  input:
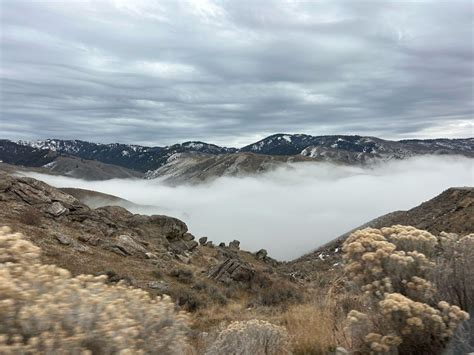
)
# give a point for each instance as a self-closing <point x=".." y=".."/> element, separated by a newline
<point x="311" y="329"/>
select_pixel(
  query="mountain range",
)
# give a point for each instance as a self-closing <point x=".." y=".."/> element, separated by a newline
<point x="199" y="161"/>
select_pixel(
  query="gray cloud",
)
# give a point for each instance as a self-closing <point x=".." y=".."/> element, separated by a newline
<point x="230" y="72"/>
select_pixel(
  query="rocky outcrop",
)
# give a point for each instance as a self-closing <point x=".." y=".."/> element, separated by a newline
<point x="126" y="245"/>
<point x="235" y="244"/>
<point x="112" y="228"/>
<point x="232" y="270"/>
<point x="261" y="254"/>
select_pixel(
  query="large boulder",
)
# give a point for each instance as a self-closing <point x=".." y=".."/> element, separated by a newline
<point x="232" y="270"/>
<point x="126" y="246"/>
<point x="56" y="209"/>
<point x="261" y="254"/>
<point x="180" y="246"/>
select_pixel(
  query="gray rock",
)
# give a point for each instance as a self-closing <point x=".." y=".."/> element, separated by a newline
<point x="126" y="245"/>
<point x="340" y="351"/>
<point x="181" y="246"/>
<point x="232" y="270"/>
<point x="159" y="285"/>
<point x="183" y="259"/>
<point x="235" y="244"/>
<point x="203" y="240"/>
<point x="188" y="237"/>
<point x="261" y="254"/>
<point x="90" y="239"/>
<point x="56" y="209"/>
<point x="150" y="256"/>
<point x="170" y="227"/>
<point x="80" y="247"/>
<point x="222" y="245"/>
<point x="192" y="245"/>
<point x="64" y="239"/>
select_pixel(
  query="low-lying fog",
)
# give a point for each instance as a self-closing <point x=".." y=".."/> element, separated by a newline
<point x="294" y="209"/>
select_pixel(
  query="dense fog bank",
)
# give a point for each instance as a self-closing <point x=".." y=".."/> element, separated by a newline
<point x="294" y="209"/>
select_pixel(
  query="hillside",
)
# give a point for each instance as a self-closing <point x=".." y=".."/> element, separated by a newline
<point x="156" y="253"/>
<point x="196" y="167"/>
<point x="95" y="199"/>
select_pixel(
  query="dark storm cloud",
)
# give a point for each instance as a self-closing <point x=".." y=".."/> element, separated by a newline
<point x="230" y="72"/>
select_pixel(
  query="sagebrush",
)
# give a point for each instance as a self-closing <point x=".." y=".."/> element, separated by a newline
<point x="43" y="310"/>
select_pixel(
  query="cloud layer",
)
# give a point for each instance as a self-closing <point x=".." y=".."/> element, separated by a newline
<point x="231" y="72"/>
<point x="292" y="210"/>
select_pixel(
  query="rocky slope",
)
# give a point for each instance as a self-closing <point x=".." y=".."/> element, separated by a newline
<point x="156" y="253"/>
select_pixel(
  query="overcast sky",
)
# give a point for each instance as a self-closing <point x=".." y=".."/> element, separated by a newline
<point x="232" y="72"/>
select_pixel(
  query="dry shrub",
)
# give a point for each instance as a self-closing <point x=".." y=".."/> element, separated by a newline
<point x="454" y="272"/>
<point x="279" y="294"/>
<point x="454" y="279"/>
<point x="43" y="310"/>
<point x="183" y="275"/>
<point x="393" y="266"/>
<point x="254" y="337"/>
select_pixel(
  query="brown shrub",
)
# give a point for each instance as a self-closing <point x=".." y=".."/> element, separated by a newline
<point x="279" y="294"/>
<point x="183" y="275"/>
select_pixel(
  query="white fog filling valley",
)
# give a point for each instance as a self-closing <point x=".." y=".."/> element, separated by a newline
<point x="294" y="209"/>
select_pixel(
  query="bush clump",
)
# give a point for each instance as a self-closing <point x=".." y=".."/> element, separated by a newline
<point x="393" y="266"/>
<point x="183" y="275"/>
<point x="44" y="310"/>
<point x="254" y="337"/>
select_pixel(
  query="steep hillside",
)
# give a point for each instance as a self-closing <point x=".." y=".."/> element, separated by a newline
<point x="358" y="147"/>
<point x="88" y="169"/>
<point x="70" y="166"/>
<point x="17" y="154"/>
<point x="134" y="157"/>
<point x="194" y="168"/>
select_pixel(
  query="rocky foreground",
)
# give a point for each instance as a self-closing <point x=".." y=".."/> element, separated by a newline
<point x="156" y="253"/>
